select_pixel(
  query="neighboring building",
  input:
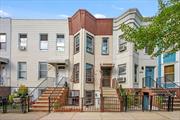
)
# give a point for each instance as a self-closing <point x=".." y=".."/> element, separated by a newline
<point x="90" y="53"/>
<point x="40" y="49"/>
<point x="5" y="46"/>
<point x="169" y="69"/>
<point x="131" y="66"/>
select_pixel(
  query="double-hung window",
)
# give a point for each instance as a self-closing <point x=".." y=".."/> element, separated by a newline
<point x="60" y="42"/>
<point x="22" y="70"/>
<point x="122" y="69"/>
<point x="76" y="73"/>
<point x="105" y="47"/>
<point x="22" y="41"/>
<point x="44" y="42"/>
<point x="89" y="73"/>
<point x="76" y="44"/>
<point x="3" y="41"/>
<point x="89" y="97"/>
<point x="169" y="73"/>
<point x="89" y="44"/>
<point x="43" y="70"/>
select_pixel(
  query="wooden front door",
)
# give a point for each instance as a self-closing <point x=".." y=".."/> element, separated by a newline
<point x="106" y="77"/>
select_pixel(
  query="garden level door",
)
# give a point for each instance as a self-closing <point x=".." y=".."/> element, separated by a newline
<point x="106" y="76"/>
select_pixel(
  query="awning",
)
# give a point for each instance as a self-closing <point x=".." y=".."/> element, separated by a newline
<point x="4" y="60"/>
<point x="107" y="65"/>
<point x="58" y="61"/>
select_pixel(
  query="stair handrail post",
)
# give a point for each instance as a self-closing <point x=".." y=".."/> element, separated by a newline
<point x="169" y="103"/>
<point x="49" y="107"/>
<point x="151" y="99"/>
<point x="143" y="102"/>
<point x="126" y="103"/>
<point x="172" y="103"/>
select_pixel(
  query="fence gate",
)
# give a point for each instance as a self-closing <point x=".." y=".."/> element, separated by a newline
<point x="111" y="104"/>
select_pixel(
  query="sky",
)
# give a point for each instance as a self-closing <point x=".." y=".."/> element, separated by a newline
<point x="61" y="9"/>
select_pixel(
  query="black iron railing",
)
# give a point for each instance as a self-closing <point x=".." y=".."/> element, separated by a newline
<point x="167" y="83"/>
<point x="150" y="83"/>
<point x="17" y="105"/>
<point x="37" y="91"/>
<point x="55" y="95"/>
<point x="148" y="103"/>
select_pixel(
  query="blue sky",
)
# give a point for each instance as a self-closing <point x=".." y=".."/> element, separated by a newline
<point x="58" y="9"/>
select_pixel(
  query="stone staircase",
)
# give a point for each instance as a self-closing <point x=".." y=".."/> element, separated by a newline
<point x="111" y="100"/>
<point x="42" y="103"/>
<point x="176" y="104"/>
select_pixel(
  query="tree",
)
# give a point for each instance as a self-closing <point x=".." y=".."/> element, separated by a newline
<point x="162" y="35"/>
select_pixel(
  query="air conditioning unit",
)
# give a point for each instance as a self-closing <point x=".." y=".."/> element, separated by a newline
<point x="122" y="48"/>
<point x="121" y="79"/>
<point x="22" y="48"/>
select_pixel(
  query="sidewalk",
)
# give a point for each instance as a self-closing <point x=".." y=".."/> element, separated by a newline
<point x="114" y="116"/>
<point x="92" y="116"/>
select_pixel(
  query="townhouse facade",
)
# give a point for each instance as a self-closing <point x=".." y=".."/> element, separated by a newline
<point x="169" y="69"/>
<point x="90" y="52"/>
<point x="5" y="51"/>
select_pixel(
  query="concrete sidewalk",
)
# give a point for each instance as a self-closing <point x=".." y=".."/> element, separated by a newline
<point x="92" y="116"/>
<point x="114" y="116"/>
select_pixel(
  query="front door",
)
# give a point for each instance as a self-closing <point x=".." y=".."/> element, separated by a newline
<point x="146" y="101"/>
<point x="2" y="74"/>
<point x="106" y="77"/>
<point x="60" y="73"/>
<point x="149" y="77"/>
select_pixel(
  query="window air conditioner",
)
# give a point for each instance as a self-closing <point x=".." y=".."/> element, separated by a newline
<point x="122" y="48"/>
<point x="121" y="79"/>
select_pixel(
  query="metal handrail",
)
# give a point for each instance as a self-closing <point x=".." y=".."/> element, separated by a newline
<point x="154" y="81"/>
<point x="39" y="85"/>
<point x="165" y="81"/>
<point x="53" y="92"/>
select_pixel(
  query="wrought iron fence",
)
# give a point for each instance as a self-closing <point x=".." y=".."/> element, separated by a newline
<point x="15" y="105"/>
<point x="148" y="103"/>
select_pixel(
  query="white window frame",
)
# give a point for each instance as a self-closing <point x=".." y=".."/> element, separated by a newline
<point x="3" y="41"/>
<point x="90" y="48"/>
<point x="122" y="66"/>
<point x="20" y="71"/>
<point x="21" y="47"/>
<point x="89" y="100"/>
<point x="39" y="71"/>
<point x="41" y="42"/>
<point x="103" y="52"/>
<point x="60" y="43"/>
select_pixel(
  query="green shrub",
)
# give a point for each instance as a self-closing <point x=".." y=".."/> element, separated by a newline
<point x="22" y="91"/>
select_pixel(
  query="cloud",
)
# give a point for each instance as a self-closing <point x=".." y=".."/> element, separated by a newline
<point x="98" y="15"/>
<point x="4" y="14"/>
<point x="63" y="16"/>
<point x="117" y="8"/>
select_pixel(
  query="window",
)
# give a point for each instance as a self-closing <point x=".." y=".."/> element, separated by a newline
<point x="43" y="41"/>
<point x="42" y="69"/>
<point x="122" y="44"/>
<point x="22" y="41"/>
<point x="89" y="44"/>
<point x="76" y="73"/>
<point x="76" y="44"/>
<point x="22" y="70"/>
<point x="105" y="49"/>
<point x="169" y="73"/>
<point x="2" y="41"/>
<point x="89" y="73"/>
<point x="122" y="69"/>
<point x="60" y="42"/>
<point x="135" y="73"/>
<point x="73" y="97"/>
<point x="89" y="97"/>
